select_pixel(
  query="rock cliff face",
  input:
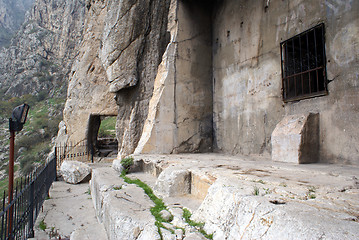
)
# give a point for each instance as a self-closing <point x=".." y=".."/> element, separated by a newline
<point x="12" y="15"/>
<point x="192" y="76"/>
<point x="40" y="55"/>
<point x="140" y="54"/>
<point x="122" y="47"/>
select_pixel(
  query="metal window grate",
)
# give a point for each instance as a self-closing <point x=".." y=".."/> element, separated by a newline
<point x="304" y="65"/>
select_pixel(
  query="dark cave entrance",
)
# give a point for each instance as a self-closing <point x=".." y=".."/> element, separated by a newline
<point x="101" y="137"/>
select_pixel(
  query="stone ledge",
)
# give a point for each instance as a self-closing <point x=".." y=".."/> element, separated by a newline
<point x="123" y="208"/>
<point x="230" y="212"/>
<point x="103" y="181"/>
<point x="313" y="199"/>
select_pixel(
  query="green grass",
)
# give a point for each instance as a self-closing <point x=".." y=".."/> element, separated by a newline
<point x="4" y="184"/>
<point x="159" y="204"/>
<point x="255" y="191"/>
<point x="3" y="187"/>
<point x="39" y="128"/>
<point x="187" y="217"/>
<point x="42" y="225"/>
<point x="108" y="127"/>
<point x="127" y="163"/>
<point x="310" y="193"/>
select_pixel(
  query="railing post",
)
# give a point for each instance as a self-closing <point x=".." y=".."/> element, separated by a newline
<point x="11" y="183"/>
<point x="55" y="164"/>
<point x="31" y="209"/>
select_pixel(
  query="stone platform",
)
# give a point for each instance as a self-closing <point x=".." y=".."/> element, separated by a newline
<point x="256" y="198"/>
<point x="236" y="198"/>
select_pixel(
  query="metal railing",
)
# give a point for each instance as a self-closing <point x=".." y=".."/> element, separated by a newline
<point x="18" y="217"/>
<point x="73" y="151"/>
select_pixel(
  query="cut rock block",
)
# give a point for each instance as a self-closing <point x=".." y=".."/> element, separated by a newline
<point x="127" y="214"/>
<point x="230" y="213"/>
<point x="296" y="139"/>
<point x="74" y="171"/>
<point x="103" y="181"/>
<point x="173" y="182"/>
<point x="124" y="209"/>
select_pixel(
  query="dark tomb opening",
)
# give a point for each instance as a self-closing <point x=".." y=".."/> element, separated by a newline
<point x="102" y="141"/>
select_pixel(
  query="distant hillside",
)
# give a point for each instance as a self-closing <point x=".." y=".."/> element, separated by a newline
<point x="12" y="15"/>
<point x="40" y="55"/>
<point x="35" y="68"/>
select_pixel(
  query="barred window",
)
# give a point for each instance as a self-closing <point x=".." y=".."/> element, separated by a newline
<point x="304" y="65"/>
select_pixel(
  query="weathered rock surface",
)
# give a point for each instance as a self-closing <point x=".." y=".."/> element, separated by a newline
<point x="194" y="236"/>
<point x="123" y="208"/>
<point x="127" y="214"/>
<point x="117" y="166"/>
<point x="255" y="199"/>
<point x="103" y="180"/>
<point x="296" y="139"/>
<point x="129" y="51"/>
<point x="74" y="171"/>
<point x="166" y="215"/>
<point x="69" y="213"/>
<point x="173" y="182"/>
<point x="231" y="213"/>
<point x="145" y="49"/>
<point x="180" y="111"/>
<point x="121" y="49"/>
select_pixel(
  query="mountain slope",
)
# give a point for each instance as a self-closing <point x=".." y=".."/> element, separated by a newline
<point x="12" y="15"/>
<point x="41" y="53"/>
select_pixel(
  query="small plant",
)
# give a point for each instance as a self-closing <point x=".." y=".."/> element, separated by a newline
<point x="88" y="191"/>
<point x="310" y="193"/>
<point x="187" y="217"/>
<point x="256" y="191"/>
<point x="283" y="184"/>
<point x="117" y="188"/>
<point x="267" y="191"/>
<point x="42" y="225"/>
<point x="53" y="232"/>
<point x="127" y="163"/>
<point x="311" y="189"/>
<point x="159" y="204"/>
<point x="311" y="196"/>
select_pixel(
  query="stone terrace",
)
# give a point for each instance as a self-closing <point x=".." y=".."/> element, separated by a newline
<point x="236" y="197"/>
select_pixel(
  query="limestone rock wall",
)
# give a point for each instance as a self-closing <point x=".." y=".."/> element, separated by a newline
<point x="247" y="78"/>
<point x="180" y="110"/>
<point x="196" y="76"/>
<point x="115" y="68"/>
<point x="247" y="74"/>
<point x="88" y="88"/>
<point x="133" y="72"/>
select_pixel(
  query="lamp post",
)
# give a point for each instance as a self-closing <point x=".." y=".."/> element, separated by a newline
<point x="16" y="123"/>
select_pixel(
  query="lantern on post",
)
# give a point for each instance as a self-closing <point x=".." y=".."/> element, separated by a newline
<point x="16" y="123"/>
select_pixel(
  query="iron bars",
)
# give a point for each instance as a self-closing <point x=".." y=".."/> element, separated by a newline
<point x="304" y="65"/>
<point x="30" y="193"/>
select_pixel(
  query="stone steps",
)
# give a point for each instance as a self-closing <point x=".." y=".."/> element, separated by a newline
<point x="258" y="199"/>
<point x="235" y="200"/>
<point x="124" y="208"/>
